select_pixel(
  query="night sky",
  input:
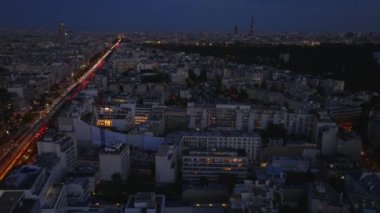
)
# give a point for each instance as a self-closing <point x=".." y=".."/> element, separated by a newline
<point x="193" y="15"/>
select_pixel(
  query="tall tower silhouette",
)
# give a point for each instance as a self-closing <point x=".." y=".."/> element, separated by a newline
<point x="61" y="33"/>
<point x="236" y="30"/>
<point x="251" y="29"/>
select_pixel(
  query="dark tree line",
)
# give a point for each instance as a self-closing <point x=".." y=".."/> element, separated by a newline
<point x="353" y="63"/>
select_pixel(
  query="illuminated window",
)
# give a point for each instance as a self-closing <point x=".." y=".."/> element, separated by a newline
<point x="104" y="123"/>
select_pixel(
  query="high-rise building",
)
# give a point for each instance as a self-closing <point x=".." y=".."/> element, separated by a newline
<point x="61" y="33"/>
<point x="251" y="29"/>
<point x="236" y="30"/>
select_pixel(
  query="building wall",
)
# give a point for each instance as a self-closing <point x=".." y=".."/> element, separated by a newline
<point x="208" y="166"/>
<point x="351" y="147"/>
<point x="65" y="148"/>
<point x="251" y="145"/>
<point x="111" y="163"/>
<point x="244" y="117"/>
<point x="60" y="204"/>
<point x="328" y="140"/>
<point x="166" y="167"/>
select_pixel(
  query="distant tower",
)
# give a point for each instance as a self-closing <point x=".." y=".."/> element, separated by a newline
<point x="251" y="30"/>
<point x="236" y="30"/>
<point x="61" y="33"/>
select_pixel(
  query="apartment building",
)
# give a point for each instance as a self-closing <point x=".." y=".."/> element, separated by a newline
<point x="249" y="142"/>
<point x="198" y="164"/>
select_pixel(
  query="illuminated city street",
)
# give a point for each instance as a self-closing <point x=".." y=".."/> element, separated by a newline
<point x="190" y="106"/>
<point x="32" y="135"/>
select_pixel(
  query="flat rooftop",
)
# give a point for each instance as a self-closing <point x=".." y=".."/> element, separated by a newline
<point x="148" y="200"/>
<point x="83" y="181"/>
<point x="113" y="149"/>
<point x="338" y="162"/>
<point x="164" y="149"/>
<point x="9" y="201"/>
<point x="323" y="191"/>
<point x="21" y="177"/>
<point x="83" y="170"/>
<point x="369" y="183"/>
<point x="47" y="160"/>
<point x="51" y="196"/>
<point x="27" y="205"/>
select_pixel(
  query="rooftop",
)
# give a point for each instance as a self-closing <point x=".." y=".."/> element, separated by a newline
<point x="323" y="191"/>
<point x="369" y="182"/>
<point x="83" y="181"/>
<point x="164" y="149"/>
<point x="47" y="160"/>
<point x="64" y="140"/>
<point x="9" y="201"/>
<point x="146" y="200"/>
<point x="83" y="170"/>
<point x="114" y="149"/>
<point x="338" y="162"/>
<point x="22" y="177"/>
<point x="27" y="205"/>
<point x="51" y="196"/>
<point x="376" y="55"/>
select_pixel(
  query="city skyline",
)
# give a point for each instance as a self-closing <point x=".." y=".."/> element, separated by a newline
<point x="174" y="106"/>
<point x="186" y="15"/>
